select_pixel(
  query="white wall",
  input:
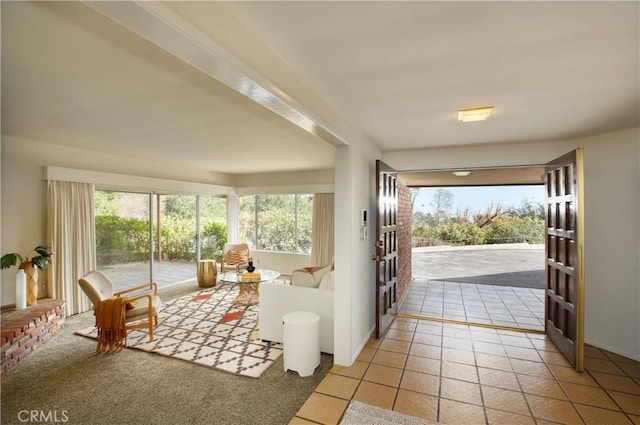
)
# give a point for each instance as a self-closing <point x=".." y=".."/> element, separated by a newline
<point x="612" y="216"/>
<point x="343" y="347"/>
<point x="23" y="207"/>
<point x="355" y="272"/>
<point x="612" y="240"/>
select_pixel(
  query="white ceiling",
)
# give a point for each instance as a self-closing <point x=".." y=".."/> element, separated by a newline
<point x="396" y="71"/>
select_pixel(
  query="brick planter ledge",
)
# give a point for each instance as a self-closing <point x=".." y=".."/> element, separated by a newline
<point x="23" y="331"/>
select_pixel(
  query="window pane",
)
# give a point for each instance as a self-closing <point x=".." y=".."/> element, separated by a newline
<point x="122" y="237"/>
<point x="213" y="226"/>
<point x="305" y="220"/>
<point x="177" y="223"/>
<point x="283" y="223"/>
<point x="276" y="223"/>
<point x="247" y="220"/>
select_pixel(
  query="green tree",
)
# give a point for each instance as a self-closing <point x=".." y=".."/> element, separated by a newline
<point x="106" y="203"/>
<point x="214" y="236"/>
<point x="121" y="240"/>
<point x="485" y="218"/>
<point x="213" y="209"/>
<point x="508" y="229"/>
<point x="442" y="203"/>
<point x="178" y="237"/>
<point x="528" y="208"/>
<point x="280" y="220"/>
<point x="424" y="235"/>
<point x="179" y="206"/>
<point x="421" y="218"/>
<point x="460" y="233"/>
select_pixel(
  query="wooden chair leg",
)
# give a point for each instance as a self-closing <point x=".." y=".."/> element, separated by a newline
<point x="150" y="321"/>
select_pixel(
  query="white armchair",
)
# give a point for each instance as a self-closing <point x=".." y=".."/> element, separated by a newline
<point x="309" y="276"/>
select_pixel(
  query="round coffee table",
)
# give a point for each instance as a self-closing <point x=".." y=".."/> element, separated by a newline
<point x="248" y="291"/>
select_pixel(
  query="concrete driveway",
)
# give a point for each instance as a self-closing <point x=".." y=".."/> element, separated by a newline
<point x="516" y="265"/>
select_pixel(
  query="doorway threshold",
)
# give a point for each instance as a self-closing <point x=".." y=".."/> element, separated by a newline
<point x="461" y="322"/>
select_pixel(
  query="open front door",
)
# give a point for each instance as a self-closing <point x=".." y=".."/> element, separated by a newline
<point x="564" y="297"/>
<point x="386" y="256"/>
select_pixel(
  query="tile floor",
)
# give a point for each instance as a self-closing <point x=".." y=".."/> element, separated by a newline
<point x="460" y="374"/>
<point x="479" y="303"/>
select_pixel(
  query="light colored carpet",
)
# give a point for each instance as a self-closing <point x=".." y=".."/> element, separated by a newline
<point x="359" y="413"/>
<point x="206" y="328"/>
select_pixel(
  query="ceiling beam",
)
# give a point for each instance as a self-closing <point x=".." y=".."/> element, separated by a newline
<point x="161" y="26"/>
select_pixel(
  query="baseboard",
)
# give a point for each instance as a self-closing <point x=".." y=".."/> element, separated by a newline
<point x="362" y="345"/>
<point x="632" y="356"/>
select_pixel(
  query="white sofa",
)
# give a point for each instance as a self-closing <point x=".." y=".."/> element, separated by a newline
<point x="277" y="299"/>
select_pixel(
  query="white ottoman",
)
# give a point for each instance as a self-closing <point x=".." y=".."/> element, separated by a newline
<point x="301" y="341"/>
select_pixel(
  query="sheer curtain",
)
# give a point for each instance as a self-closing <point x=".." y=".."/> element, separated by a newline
<point x="233" y="219"/>
<point x="71" y="235"/>
<point x="322" y="230"/>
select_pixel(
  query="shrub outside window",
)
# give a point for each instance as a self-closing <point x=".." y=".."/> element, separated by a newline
<point x="279" y="223"/>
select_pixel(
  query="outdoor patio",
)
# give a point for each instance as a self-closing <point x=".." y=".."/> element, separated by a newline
<point x="488" y="284"/>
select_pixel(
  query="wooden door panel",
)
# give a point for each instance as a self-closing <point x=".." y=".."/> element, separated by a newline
<point x="386" y="247"/>
<point x="564" y="280"/>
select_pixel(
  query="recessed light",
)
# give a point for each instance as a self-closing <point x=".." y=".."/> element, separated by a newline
<point x="461" y="173"/>
<point x="475" y="114"/>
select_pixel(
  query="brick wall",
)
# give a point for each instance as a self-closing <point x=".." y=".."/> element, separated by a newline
<point x="405" y="213"/>
<point x="23" y="331"/>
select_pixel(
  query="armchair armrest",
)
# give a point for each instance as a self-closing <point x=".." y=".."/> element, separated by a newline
<point x="137" y="288"/>
<point x="309" y="276"/>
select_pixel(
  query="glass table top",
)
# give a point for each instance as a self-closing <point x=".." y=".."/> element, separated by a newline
<point x="235" y="277"/>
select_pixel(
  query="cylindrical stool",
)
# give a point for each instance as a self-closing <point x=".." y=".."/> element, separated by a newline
<point x="301" y="341"/>
<point x="207" y="273"/>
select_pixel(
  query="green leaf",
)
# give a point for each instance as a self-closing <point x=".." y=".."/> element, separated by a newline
<point x="45" y="251"/>
<point x="10" y="260"/>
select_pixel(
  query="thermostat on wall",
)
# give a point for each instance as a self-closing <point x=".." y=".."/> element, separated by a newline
<point x="364" y="218"/>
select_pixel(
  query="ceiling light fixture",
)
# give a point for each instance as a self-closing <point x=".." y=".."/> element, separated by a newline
<point x="475" y="114"/>
<point x="461" y="173"/>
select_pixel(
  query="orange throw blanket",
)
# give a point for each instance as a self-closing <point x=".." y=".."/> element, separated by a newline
<point x="112" y="331"/>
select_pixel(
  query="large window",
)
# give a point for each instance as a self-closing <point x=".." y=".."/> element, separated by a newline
<point x="143" y="236"/>
<point x="277" y="222"/>
<point x="213" y="226"/>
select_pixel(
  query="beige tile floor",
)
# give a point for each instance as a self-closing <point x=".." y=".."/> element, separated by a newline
<point x="461" y="374"/>
<point x="478" y="303"/>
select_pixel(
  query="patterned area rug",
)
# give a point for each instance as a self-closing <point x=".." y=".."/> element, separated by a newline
<point x="207" y="329"/>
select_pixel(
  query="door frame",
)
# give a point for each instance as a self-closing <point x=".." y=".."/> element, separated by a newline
<point x="579" y="228"/>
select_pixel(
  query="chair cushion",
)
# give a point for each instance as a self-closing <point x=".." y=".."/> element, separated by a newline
<point x="140" y="309"/>
<point x="304" y="278"/>
<point x="327" y="281"/>
<point x="238" y="257"/>
<point x="96" y="286"/>
<point x="309" y="276"/>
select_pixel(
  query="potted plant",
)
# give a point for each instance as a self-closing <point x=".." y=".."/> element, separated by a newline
<point x="40" y="260"/>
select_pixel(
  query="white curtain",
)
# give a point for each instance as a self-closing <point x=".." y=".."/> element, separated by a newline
<point x="233" y="219"/>
<point x="322" y="230"/>
<point x="71" y="235"/>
